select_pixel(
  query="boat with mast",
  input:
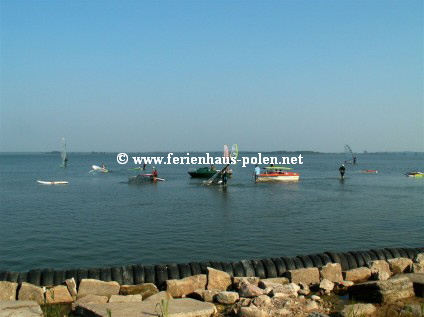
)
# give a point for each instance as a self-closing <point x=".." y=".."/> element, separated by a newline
<point x="350" y="158"/>
<point x="63" y="154"/>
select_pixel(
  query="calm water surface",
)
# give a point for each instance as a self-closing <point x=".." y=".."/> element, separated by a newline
<point x="100" y="220"/>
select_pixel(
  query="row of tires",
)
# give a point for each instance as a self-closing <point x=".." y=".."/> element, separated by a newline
<point x="158" y="274"/>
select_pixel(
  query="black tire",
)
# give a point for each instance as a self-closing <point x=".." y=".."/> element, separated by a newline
<point x="298" y="263"/>
<point x="344" y="262"/>
<point x="173" y="272"/>
<point x="22" y="277"/>
<point x="316" y="260"/>
<point x="227" y="268"/>
<point x="72" y="274"/>
<point x="249" y="270"/>
<point x="117" y="274"/>
<point x="94" y="273"/>
<point x="34" y="277"/>
<point x="106" y="274"/>
<point x="13" y="277"/>
<point x="351" y="259"/>
<point x="195" y="268"/>
<point x="280" y="266"/>
<point x="416" y="251"/>
<point x="82" y="274"/>
<point x="372" y="255"/>
<point x="204" y="267"/>
<point x="149" y="274"/>
<point x="259" y="268"/>
<point x="3" y="275"/>
<point x="186" y="269"/>
<point x="402" y="252"/>
<point x="380" y="254"/>
<point x="138" y="274"/>
<point x="359" y="259"/>
<point x="289" y="263"/>
<point x="366" y="258"/>
<point x="334" y="256"/>
<point x="47" y="277"/>
<point x="387" y="254"/>
<point x="216" y="265"/>
<point x="59" y="277"/>
<point x="306" y="260"/>
<point x="325" y="258"/>
<point x="270" y="269"/>
<point x="394" y="252"/>
<point x="411" y="254"/>
<point x="238" y="269"/>
<point x="161" y="276"/>
<point x="127" y="275"/>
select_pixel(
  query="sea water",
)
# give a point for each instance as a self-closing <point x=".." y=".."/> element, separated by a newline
<point x="100" y="220"/>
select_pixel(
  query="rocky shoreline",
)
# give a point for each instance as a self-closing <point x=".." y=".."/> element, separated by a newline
<point x="393" y="287"/>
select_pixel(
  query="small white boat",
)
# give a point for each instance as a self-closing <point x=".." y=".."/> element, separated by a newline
<point x="98" y="169"/>
<point x="277" y="173"/>
<point x="53" y="182"/>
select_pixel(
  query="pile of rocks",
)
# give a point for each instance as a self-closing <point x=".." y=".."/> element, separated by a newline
<point x="299" y="293"/>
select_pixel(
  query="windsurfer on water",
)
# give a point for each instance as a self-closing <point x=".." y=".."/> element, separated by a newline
<point x="342" y="170"/>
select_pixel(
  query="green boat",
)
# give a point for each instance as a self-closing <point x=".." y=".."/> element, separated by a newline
<point x="205" y="172"/>
<point x="202" y="172"/>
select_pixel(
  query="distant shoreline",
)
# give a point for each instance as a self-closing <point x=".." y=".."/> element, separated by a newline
<point x="246" y="152"/>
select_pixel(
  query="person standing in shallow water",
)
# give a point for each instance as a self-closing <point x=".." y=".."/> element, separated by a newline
<point x="224" y="177"/>
<point x="342" y="170"/>
<point x="257" y="172"/>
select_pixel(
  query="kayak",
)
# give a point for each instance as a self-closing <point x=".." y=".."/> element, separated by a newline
<point x="52" y="182"/>
<point x="415" y="174"/>
<point x="370" y="171"/>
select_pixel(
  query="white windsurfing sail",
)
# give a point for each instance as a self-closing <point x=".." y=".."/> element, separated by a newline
<point x="349" y="157"/>
<point x="63" y="153"/>
<point x="234" y="151"/>
<point x="226" y="151"/>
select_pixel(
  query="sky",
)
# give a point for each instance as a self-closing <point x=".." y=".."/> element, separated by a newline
<point x="139" y="76"/>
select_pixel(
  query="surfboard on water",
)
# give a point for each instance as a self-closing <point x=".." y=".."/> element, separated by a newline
<point x="53" y="182"/>
<point x="98" y="169"/>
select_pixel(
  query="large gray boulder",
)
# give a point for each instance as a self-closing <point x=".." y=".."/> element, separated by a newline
<point x="358" y="310"/>
<point x="400" y="265"/>
<point x="58" y="294"/>
<point x="8" y="290"/>
<point x="218" y="280"/>
<point x="30" y="292"/>
<point x="145" y="290"/>
<point x="185" y="286"/>
<point x="90" y="299"/>
<point x="417" y="280"/>
<point x="357" y="275"/>
<point x="390" y="290"/>
<point x="308" y="276"/>
<point x="332" y="272"/>
<point x="96" y="287"/>
<point x="186" y="307"/>
<point x="20" y="309"/>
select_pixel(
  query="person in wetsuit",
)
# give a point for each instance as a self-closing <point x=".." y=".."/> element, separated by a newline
<point x="342" y="170"/>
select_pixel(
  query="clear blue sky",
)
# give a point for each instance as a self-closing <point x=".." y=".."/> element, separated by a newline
<point x="194" y="75"/>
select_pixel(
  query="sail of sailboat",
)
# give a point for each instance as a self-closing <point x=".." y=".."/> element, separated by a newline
<point x="63" y="153"/>
<point x="349" y="156"/>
